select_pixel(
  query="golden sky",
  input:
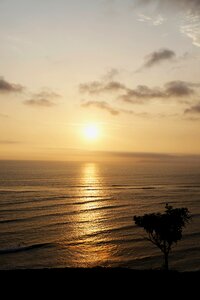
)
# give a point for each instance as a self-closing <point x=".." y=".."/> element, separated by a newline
<point x="127" y="69"/>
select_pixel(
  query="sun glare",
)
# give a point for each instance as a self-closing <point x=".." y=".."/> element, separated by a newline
<point x="91" y="132"/>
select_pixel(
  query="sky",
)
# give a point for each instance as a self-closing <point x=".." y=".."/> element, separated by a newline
<point x="129" y="69"/>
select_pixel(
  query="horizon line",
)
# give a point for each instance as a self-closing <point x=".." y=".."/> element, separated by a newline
<point x="114" y="154"/>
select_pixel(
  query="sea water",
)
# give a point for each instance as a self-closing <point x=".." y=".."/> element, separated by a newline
<point x="80" y="214"/>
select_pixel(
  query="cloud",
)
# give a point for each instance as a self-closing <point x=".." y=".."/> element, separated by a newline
<point x="107" y="83"/>
<point x="42" y="99"/>
<point x="102" y="105"/>
<point x="162" y="55"/>
<point x="113" y="111"/>
<point x="94" y="87"/>
<point x="159" y="56"/>
<point x="111" y="74"/>
<point x="9" y="142"/>
<point x="141" y="93"/>
<point x="188" y="9"/>
<point x="195" y="109"/>
<point x="48" y="94"/>
<point x="179" y="89"/>
<point x="192" y="6"/>
<point x="176" y="89"/>
<point x="97" y="87"/>
<point x="156" y="21"/>
<point x="39" y="102"/>
<point x="3" y="116"/>
<point x="7" y="87"/>
<point x="192" y="29"/>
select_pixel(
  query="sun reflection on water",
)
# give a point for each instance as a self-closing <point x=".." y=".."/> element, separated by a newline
<point x="90" y="193"/>
<point x="91" y="219"/>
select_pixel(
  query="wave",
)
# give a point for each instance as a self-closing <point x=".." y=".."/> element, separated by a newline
<point x="43" y="199"/>
<point x="47" y="206"/>
<point x="25" y="248"/>
<point x="16" y="191"/>
<point x="191" y="186"/>
<point x="129" y="187"/>
<point x="59" y="214"/>
<point x="108" y="231"/>
<point x="104" y="242"/>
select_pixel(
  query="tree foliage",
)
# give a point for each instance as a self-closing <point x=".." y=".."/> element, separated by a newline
<point x="165" y="229"/>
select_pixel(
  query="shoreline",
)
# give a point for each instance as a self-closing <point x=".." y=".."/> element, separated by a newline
<point x="100" y="281"/>
<point x="103" y="271"/>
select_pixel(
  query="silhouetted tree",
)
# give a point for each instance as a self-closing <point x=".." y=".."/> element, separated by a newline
<point x="165" y="229"/>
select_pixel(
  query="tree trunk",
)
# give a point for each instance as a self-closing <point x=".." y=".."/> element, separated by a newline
<point x="166" y="264"/>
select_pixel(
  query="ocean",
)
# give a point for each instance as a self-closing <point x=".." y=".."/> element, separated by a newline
<point x="80" y="214"/>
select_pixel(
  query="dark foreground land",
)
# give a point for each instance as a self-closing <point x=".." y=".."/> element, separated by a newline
<point x="98" y="281"/>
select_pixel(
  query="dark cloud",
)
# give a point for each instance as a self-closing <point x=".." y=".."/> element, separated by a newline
<point x="94" y="87"/>
<point x="157" y="57"/>
<point x="97" y="87"/>
<point x="176" y="89"/>
<point x="179" y="89"/>
<point x="114" y="86"/>
<point x="7" y="87"/>
<point x="142" y="92"/>
<point x="43" y="99"/>
<point x="102" y="105"/>
<point x="195" y="109"/>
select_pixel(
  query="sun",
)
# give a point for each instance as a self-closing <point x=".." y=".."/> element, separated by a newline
<point x="91" y="132"/>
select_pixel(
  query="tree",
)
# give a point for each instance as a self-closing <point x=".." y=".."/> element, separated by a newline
<point x="165" y="229"/>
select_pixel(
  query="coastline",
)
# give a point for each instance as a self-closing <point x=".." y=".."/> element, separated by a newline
<point x="104" y="272"/>
<point x="99" y="282"/>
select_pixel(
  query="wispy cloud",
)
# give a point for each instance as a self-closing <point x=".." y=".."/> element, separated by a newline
<point x="42" y="99"/>
<point x="102" y="105"/>
<point x="7" y="87"/>
<point x="97" y="87"/>
<point x="188" y="9"/>
<point x="112" y="110"/>
<point x="9" y="142"/>
<point x="191" y="28"/>
<point x="155" y="21"/>
<point x="39" y="102"/>
<point x="3" y="116"/>
<point x="48" y="94"/>
<point x="111" y="74"/>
